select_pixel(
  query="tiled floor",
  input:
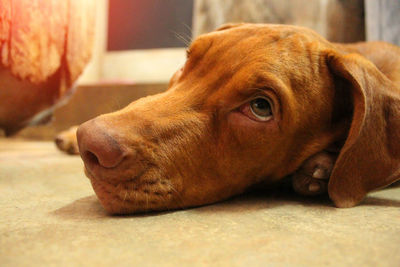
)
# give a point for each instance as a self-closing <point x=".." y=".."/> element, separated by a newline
<point x="49" y="216"/>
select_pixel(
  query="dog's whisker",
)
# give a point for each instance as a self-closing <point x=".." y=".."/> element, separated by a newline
<point x="188" y="28"/>
<point x="182" y="38"/>
<point x="187" y="37"/>
<point x="147" y="201"/>
<point x="132" y="192"/>
<point x="165" y="201"/>
<point x="125" y="195"/>
<point x="178" y="196"/>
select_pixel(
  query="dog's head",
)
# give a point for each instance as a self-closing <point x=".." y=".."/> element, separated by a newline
<point x="251" y="103"/>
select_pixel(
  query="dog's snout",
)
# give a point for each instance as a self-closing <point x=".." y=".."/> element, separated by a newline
<point x="97" y="147"/>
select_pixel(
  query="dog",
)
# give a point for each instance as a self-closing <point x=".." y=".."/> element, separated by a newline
<point x="253" y="103"/>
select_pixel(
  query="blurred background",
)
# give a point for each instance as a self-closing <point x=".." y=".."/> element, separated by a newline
<point x="139" y="44"/>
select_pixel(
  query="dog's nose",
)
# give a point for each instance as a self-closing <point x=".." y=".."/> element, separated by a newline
<point x="97" y="147"/>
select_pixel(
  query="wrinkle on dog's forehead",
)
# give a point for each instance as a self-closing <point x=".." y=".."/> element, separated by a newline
<point x="226" y="53"/>
<point x="215" y="66"/>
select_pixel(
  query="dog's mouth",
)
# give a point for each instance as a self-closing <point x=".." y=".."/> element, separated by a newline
<point x="141" y="193"/>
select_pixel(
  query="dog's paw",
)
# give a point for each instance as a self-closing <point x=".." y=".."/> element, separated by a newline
<point x="313" y="176"/>
<point x="66" y="141"/>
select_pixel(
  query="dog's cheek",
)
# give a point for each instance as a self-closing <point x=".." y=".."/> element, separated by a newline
<point x="250" y="134"/>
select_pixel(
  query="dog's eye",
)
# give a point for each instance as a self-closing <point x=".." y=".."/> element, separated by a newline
<point x="261" y="108"/>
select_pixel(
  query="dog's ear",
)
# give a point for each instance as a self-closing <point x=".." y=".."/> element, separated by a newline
<point x="370" y="156"/>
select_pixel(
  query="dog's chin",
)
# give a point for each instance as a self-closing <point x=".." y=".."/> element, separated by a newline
<point x="135" y="196"/>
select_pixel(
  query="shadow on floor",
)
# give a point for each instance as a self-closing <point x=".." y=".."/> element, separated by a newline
<point x="381" y="202"/>
<point x="84" y="208"/>
<point x="267" y="198"/>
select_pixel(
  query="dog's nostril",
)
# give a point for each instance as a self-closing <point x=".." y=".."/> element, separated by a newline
<point x="98" y="147"/>
<point x="91" y="158"/>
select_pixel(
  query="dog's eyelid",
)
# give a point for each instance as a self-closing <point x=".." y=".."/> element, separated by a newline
<point x="252" y="93"/>
<point x="266" y="88"/>
<point x="269" y="99"/>
<point x="264" y="92"/>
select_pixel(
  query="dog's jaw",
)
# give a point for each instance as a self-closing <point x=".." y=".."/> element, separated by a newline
<point x="136" y="196"/>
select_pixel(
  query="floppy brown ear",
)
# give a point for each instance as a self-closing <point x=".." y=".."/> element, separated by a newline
<point x="370" y="156"/>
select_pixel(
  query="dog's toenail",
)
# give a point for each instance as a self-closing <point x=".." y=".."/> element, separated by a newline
<point x="319" y="174"/>
<point x="314" y="187"/>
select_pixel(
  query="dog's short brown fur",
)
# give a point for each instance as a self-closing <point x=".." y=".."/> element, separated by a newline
<point x="200" y="142"/>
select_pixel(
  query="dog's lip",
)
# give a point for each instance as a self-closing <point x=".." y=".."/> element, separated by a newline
<point x="116" y="197"/>
<point x="90" y="175"/>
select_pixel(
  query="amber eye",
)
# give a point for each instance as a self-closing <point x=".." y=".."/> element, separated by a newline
<point x="261" y="108"/>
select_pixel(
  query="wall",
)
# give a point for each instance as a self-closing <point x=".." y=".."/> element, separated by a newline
<point x="337" y="20"/>
<point x="383" y="20"/>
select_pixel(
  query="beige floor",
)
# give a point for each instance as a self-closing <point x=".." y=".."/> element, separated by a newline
<point x="49" y="216"/>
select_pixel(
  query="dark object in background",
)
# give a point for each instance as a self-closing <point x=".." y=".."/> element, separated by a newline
<point x="138" y="24"/>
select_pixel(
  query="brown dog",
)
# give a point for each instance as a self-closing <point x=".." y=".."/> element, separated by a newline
<point x="253" y="103"/>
